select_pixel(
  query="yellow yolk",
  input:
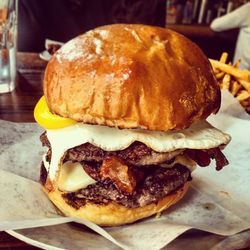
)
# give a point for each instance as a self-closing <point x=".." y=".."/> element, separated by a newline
<point x="48" y="120"/>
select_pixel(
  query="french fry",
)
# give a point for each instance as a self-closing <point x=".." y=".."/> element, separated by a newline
<point x="243" y="95"/>
<point x="224" y="57"/>
<point x="235" y="87"/>
<point x="238" y="73"/>
<point x="245" y="84"/>
<point x="219" y="75"/>
<point x="216" y="71"/>
<point x="226" y="81"/>
<point x="237" y="64"/>
<point x="236" y="80"/>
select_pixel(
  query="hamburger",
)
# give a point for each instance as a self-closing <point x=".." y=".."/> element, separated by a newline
<point x="124" y="112"/>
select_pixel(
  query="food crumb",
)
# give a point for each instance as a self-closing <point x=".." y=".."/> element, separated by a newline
<point x="224" y="193"/>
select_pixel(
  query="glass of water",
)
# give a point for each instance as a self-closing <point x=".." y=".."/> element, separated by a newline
<point x="8" y="43"/>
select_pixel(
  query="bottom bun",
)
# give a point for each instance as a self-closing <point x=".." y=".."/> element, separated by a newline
<point x="114" y="214"/>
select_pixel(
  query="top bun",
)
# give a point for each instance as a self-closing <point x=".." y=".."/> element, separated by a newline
<point x="131" y="76"/>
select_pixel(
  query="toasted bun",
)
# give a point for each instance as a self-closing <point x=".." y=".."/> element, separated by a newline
<point x="114" y="214"/>
<point x="131" y="76"/>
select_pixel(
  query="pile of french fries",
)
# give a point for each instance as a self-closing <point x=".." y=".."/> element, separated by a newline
<point x="236" y="80"/>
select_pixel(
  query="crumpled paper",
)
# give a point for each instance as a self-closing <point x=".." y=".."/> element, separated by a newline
<point x="217" y="202"/>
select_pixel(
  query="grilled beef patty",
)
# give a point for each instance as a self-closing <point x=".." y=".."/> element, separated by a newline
<point x="153" y="184"/>
<point x="136" y="154"/>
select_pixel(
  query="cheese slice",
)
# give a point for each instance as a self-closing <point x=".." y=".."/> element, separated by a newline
<point x="200" y="135"/>
<point x="72" y="177"/>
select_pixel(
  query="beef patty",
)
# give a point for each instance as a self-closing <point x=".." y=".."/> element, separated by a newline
<point x="136" y="154"/>
<point x="153" y="185"/>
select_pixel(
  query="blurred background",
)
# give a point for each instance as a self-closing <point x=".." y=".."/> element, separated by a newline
<point x="62" y="20"/>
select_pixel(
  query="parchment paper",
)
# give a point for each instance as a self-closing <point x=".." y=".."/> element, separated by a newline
<point x="218" y="202"/>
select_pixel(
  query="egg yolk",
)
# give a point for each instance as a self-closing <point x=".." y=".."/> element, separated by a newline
<point x="48" y="120"/>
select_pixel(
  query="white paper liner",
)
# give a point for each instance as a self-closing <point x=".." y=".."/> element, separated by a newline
<point x="218" y="202"/>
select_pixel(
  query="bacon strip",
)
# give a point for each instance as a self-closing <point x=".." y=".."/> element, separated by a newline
<point x="200" y="157"/>
<point x="220" y="158"/>
<point x="117" y="171"/>
<point x="203" y="157"/>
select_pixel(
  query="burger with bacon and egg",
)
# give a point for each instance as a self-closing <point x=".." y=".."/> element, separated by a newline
<point x="124" y="110"/>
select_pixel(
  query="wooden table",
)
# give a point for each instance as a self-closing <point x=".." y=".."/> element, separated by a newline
<point x="18" y="107"/>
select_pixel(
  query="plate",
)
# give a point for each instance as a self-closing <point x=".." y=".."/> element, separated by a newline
<point x="45" y="55"/>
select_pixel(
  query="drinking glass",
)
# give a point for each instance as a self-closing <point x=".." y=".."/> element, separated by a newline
<point x="8" y="44"/>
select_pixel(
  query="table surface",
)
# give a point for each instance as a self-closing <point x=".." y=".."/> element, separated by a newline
<point x="18" y="107"/>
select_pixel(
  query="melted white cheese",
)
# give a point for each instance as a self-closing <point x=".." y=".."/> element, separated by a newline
<point x="72" y="177"/>
<point x="46" y="163"/>
<point x="198" y="136"/>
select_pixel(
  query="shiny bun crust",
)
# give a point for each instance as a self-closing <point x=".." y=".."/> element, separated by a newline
<point x="131" y="76"/>
<point x="114" y="214"/>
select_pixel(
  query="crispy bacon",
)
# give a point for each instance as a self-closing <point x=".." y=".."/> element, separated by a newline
<point x="200" y="157"/>
<point x="220" y="158"/>
<point x="203" y="157"/>
<point x="117" y="171"/>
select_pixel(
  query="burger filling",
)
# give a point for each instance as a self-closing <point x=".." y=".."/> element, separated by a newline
<point x="133" y="177"/>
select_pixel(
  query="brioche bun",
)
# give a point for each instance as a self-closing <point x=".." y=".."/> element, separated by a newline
<point x="131" y="76"/>
<point x="114" y="214"/>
